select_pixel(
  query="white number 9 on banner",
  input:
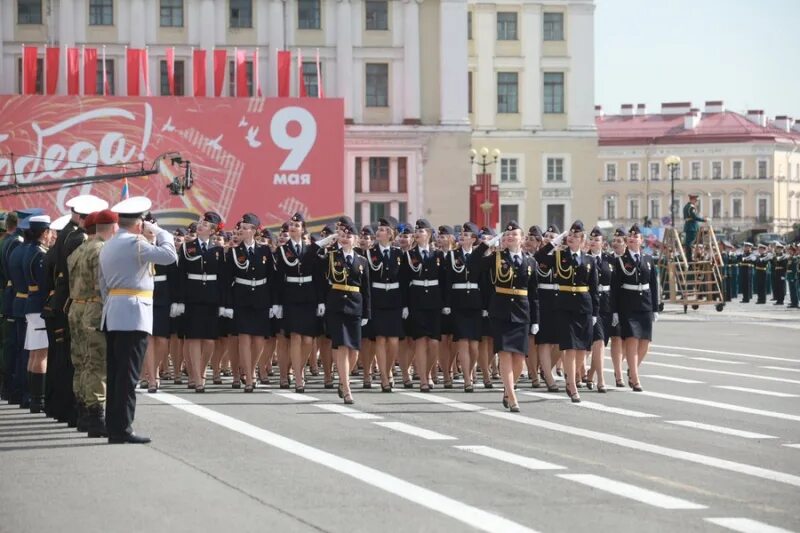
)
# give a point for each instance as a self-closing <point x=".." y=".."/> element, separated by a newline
<point x="298" y="146"/>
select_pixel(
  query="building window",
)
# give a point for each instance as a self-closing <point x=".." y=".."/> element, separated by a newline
<point x="172" y="13"/>
<point x="357" y="214"/>
<point x="308" y="14"/>
<point x="508" y="213"/>
<point x="377" y="15"/>
<point x="358" y="177"/>
<point x="310" y="78"/>
<point x="655" y="208"/>
<point x="109" y="77"/>
<point x="402" y="175"/>
<point x="232" y="80"/>
<point x="469" y="91"/>
<point x="506" y="26"/>
<point x="39" y="76"/>
<point x="553" y="27"/>
<point x="633" y="171"/>
<point x="29" y="11"/>
<point x="716" y="208"/>
<point x="377" y="85"/>
<point x="716" y="170"/>
<point x="737" y="170"/>
<point x="555" y="170"/>
<point x="762" y="169"/>
<point x="508" y="170"/>
<point x="101" y="12"/>
<point x="633" y="208"/>
<point x="611" y="172"/>
<point x="378" y="174"/>
<point x="507" y="92"/>
<point x="763" y="209"/>
<point x="377" y="210"/>
<point x="241" y="15"/>
<point x="655" y="171"/>
<point x="179" y="79"/>
<point x="553" y="92"/>
<point x="611" y="208"/>
<point x="469" y="25"/>
<point x="736" y="208"/>
<point x="696" y="170"/>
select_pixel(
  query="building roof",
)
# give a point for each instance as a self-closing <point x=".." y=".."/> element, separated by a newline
<point x="721" y="127"/>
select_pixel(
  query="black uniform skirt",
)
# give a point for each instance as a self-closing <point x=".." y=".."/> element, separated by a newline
<point x="252" y="321"/>
<point x="386" y="323"/>
<point x="637" y="325"/>
<point x="467" y="324"/>
<point x="161" y="321"/>
<point x="548" y="323"/>
<point x="575" y="330"/>
<point x="302" y="319"/>
<point x="425" y="323"/>
<point x="486" y="326"/>
<point x="447" y="324"/>
<point x="510" y="336"/>
<point x="344" y="330"/>
<point x="598" y="332"/>
<point x="177" y="326"/>
<point x="201" y="321"/>
<point x="609" y="330"/>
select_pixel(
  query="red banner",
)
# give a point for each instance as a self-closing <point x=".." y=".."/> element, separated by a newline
<point x="220" y="58"/>
<point x="133" y="71"/>
<point x="52" y="57"/>
<point x="241" y="73"/>
<point x="30" y="54"/>
<point x="484" y="202"/>
<point x="284" y="72"/>
<point x="256" y="79"/>
<point x="73" y="71"/>
<point x="90" y="71"/>
<point x="301" y="80"/>
<point x="199" y="59"/>
<point x="271" y="156"/>
<point x="145" y="65"/>
<point x="171" y="70"/>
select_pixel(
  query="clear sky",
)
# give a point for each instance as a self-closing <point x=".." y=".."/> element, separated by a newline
<point x="744" y="52"/>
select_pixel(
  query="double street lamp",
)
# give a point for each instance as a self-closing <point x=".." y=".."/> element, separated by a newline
<point x="485" y="159"/>
<point x="673" y="163"/>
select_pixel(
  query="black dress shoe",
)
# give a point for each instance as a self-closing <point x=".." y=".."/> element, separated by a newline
<point x="366" y="385"/>
<point x="386" y="388"/>
<point x="284" y="385"/>
<point x="601" y="389"/>
<point x="200" y="389"/>
<point x="505" y="402"/>
<point x="217" y="381"/>
<point x="237" y="385"/>
<point x="448" y="385"/>
<point x="488" y="385"/>
<point x="340" y="392"/>
<point x="300" y="390"/>
<point x="248" y="388"/>
<point x="637" y="388"/>
<point x="408" y="385"/>
<point x="469" y="388"/>
<point x="425" y="388"/>
<point x="329" y="385"/>
<point x="132" y="438"/>
<point x="620" y="383"/>
<point x="552" y="388"/>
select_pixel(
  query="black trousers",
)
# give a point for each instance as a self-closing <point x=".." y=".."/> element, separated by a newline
<point x="746" y="283"/>
<point x="778" y="287"/>
<point x="761" y="286"/>
<point x="59" y="396"/>
<point x="124" y="357"/>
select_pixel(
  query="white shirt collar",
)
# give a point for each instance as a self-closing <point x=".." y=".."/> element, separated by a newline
<point x="295" y="244"/>
<point x="201" y="242"/>
<point x="426" y="249"/>
<point x="383" y="248"/>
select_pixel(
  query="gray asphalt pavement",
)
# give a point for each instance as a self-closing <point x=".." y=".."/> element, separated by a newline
<point x="713" y="444"/>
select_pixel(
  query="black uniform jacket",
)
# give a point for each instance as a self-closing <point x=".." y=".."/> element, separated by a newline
<point x="424" y="279"/>
<point x="300" y="277"/>
<point x="252" y="277"/>
<point x="463" y="276"/>
<point x="515" y="297"/>
<point x="577" y="283"/>
<point x="389" y="293"/>
<point x="628" y="276"/>
<point x="203" y="274"/>
<point x="605" y="272"/>
<point x="348" y="290"/>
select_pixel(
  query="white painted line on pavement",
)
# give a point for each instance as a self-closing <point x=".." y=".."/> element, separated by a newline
<point x="757" y="391"/>
<point x="615" y="410"/>
<point x="719" y="352"/>
<point x="670" y="378"/>
<point x="545" y="395"/>
<point x="722" y="372"/>
<point x="782" y="368"/>
<point x="721" y="405"/>
<point x="462" y="512"/>
<point x="446" y="401"/>
<point x="426" y="434"/>
<point x="508" y="457"/>
<point x="792" y="445"/>
<point x="664" y="354"/>
<point x="655" y="449"/>
<point x="720" y="429"/>
<point x="632" y="492"/>
<point x="723" y="361"/>
<point x="746" y="525"/>
<point x="346" y="411"/>
<point x="297" y="397"/>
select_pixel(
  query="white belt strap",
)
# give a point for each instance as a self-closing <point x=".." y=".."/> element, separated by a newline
<point x="295" y="279"/>
<point x="642" y="287"/>
<point x="202" y="277"/>
<point x="548" y="286"/>
<point x="425" y="282"/>
<point x="250" y="282"/>
<point x="386" y="286"/>
<point x="604" y="288"/>
<point x="466" y="286"/>
<point x="162" y="277"/>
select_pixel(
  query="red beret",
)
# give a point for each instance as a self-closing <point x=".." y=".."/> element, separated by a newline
<point x="90" y="220"/>
<point x="106" y="216"/>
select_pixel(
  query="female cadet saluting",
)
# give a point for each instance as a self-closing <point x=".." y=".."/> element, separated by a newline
<point x="604" y="263"/>
<point x="634" y="297"/>
<point x="577" y="303"/>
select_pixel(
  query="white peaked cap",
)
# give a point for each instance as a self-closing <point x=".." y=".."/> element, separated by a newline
<point x="133" y="206"/>
<point x="87" y="203"/>
<point x="61" y="222"/>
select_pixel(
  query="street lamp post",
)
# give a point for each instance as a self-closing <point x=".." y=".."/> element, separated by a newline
<point x="484" y="161"/>
<point x="673" y="163"/>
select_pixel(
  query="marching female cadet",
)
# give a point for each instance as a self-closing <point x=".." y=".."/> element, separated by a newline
<point x="324" y="340"/>
<point x="423" y="276"/>
<point x="301" y="294"/>
<point x="604" y="264"/>
<point x="175" y="321"/>
<point x="347" y="307"/>
<point x="531" y="245"/>
<point x="547" y="337"/>
<point x="282" y="342"/>
<point x="486" y="345"/>
<point x="386" y="298"/>
<point x="634" y="300"/>
<point x="405" y="242"/>
<point x="514" y="307"/>
<point x="463" y="301"/>
<point x="576" y="303"/>
<point x="252" y="274"/>
<point x="366" y="355"/>
<point x="618" y="248"/>
<point x="445" y="240"/>
<point x="226" y="351"/>
<point x="158" y="345"/>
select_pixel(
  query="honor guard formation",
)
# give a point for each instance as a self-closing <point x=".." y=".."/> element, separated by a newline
<point x="103" y="300"/>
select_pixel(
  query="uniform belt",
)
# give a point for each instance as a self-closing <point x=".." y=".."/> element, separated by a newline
<point x="93" y="299"/>
<point x="761" y="268"/>
<point x="604" y="288"/>
<point x="251" y="282"/>
<point x="631" y="287"/>
<point x="202" y="277"/>
<point x="511" y="292"/>
<point x="386" y="286"/>
<point x="466" y="286"/>
<point x="141" y="293"/>
<point x="295" y="279"/>
<point x="160" y="277"/>
<point x="573" y="288"/>
<point x="8" y="284"/>
<point x="33" y="288"/>
<point x="776" y="269"/>
<point x="425" y="282"/>
<point x="548" y="286"/>
<point x="21" y="295"/>
<point x="346" y="288"/>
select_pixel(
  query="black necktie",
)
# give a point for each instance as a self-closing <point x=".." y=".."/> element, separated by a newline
<point x="297" y="248"/>
<point x="636" y="258"/>
<point x="424" y="255"/>
<point x="349" y="259"/>
<point x="203" y="247"/>
<point x="466" y="256"/>
<point x="517" y="260"/>
<point x="386" y="255"/>
<point x="575" y="258"/>
<point x="250" y="252"/>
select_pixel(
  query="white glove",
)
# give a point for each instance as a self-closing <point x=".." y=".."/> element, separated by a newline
<point x="321" y="310"/>
<point x="173" y="310"/>
<point x="534" y="329"/>
<point x="181" y="309"/>
<point x="151" y="226"/>
<point x="278" y="311"/>
<point x="364" y="322"/>
<point x="655" y="317"/>
<point x="614" y="319"/>
<point x="322" y="243"/>
<point x="221" y="312"/>
<point x="273" y="311"/>
<point x="446" y="311"/>
<point x="594" y="320"/>
<point x="228" y="313"/>
<point x="485" y="313"/>
<point x="494" y="241"/>
<point x="405" y="313"/>
<point x="559" y="239"/>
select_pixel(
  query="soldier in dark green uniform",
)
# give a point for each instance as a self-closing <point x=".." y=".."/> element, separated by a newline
<point x="791" y="275"/>
<point x="691" y="224"/>
<point x="746" y="272"/>
<point x="779" y="263"/>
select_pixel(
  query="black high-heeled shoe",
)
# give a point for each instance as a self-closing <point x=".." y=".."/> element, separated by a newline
<point x="505" y="401"/>
<point x="425" y="388"/>
<point x="620" y="383"/>
<point x="340" y="392"/>
<point x="469" y="388"/>
<point x="637" y="388"/>
<point x="552" y="388"/>
<point x="573" y="395"/>
<point x="601" y="389"/>
<point x="348" y="400"/>
<point x="408" y="384"/>
<point x="248" y="388"/>
<point x="300" y="390"/>
<point x="386" y="388"/>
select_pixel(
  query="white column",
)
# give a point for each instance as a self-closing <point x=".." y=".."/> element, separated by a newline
<point x="136" y="22"/>
<point x="580" y="79"/>
<point x="364" y="214"/>
<point x="275" y="44"/>
<point x="66" y="31"/>
<point x="411" y="65"/>
<point x="485" y="78"/>
<point x="344" y="56"/>
<point x="453" y="62"/>
<point x="5" y="74"/>
<point x="364" y="174"/>
<point x="532" y="76"/>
